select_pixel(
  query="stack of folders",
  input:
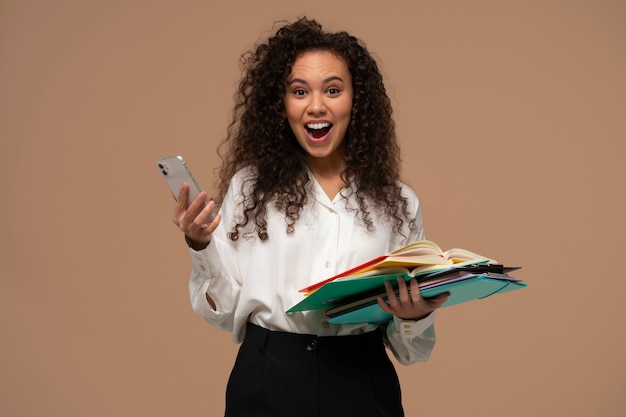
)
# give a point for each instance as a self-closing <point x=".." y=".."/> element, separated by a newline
<point x="351" y="297"/>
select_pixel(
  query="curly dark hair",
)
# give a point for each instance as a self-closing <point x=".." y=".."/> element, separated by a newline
<point x="259" y="135"/>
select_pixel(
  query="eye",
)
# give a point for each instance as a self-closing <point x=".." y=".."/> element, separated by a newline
<point x="299" y="92"/>
<point x="333" y="91"/>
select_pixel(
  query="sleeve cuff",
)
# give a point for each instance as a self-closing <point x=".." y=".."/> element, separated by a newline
<point x="206" y="260"/>
<point x="409" y="329"/>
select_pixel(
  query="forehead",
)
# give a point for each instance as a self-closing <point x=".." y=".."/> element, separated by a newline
<point x="319" y="63"/>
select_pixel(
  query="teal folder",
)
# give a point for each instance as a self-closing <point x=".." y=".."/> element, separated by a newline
<point x="336" y="292"/>
<point x="470" y="288"/>
<point x="353" y="300"/>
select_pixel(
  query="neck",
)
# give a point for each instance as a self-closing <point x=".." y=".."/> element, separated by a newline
<point x="329" y="167"/>
<point x="328" y="175"/>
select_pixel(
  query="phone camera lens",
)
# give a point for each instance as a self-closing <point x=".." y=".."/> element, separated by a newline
<point x="164" y="172"/>
<point x="161" y="166"/>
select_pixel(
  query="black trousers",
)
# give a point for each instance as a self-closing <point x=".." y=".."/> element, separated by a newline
<point x="279" y="374"/>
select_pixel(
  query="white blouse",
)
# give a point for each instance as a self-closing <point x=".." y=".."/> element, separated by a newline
<point x="257" y="281"/>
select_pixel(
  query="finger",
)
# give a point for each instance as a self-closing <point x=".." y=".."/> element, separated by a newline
<point x="194" y="209"/>
<point x="437" y="301"/>
<point x="383" y="305"/>
<point x="392" y="298"/>
<point x="403" y="293"/>
<point x="198" y="203"/>
<point x="183" y="195"/>
<point x="206" y="229"/>
<point x="415" y="291"/>
<point x="207" y="215"/>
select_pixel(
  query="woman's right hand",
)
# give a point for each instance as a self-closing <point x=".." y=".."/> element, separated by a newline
<point x="195" y="221"/>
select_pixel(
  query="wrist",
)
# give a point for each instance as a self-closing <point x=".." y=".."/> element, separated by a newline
<point x="422" y="317"/>
<point x="196" y="245"/>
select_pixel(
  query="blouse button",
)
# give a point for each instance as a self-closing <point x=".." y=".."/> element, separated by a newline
<point x="327" y="264"/>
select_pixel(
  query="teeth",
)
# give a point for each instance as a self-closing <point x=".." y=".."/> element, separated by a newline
<point x="317" y="125"/>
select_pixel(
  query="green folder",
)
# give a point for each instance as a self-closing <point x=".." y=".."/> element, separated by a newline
<point x="467" y="289"/>
<point x="336" y="292"/>
<point x="357" y="296"/>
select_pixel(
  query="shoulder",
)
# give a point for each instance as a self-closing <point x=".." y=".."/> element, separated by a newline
<point x="245" y="174"/>
<point x="243" y="180"/>
<point x="408" y="193"/>
<point x="241" y="185"/>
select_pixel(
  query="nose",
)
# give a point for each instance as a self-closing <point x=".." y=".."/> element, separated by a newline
<point x="316" y="105"/>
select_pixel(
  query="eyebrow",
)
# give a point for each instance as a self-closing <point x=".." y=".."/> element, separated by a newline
<point x="325" y="81"/>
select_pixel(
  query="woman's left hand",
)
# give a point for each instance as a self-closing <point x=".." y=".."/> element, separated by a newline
<point x="409" y="305"/>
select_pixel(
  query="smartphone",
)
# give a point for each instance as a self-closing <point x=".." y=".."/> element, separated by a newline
<point x="176" y="172"/>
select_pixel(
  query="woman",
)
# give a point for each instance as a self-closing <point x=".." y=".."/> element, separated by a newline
<point x="309" y="188"/>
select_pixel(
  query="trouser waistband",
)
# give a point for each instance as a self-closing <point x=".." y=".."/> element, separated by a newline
<point x="275" y="341"/>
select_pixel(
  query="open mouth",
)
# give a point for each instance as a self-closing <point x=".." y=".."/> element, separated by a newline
<point x="318" y="130"/>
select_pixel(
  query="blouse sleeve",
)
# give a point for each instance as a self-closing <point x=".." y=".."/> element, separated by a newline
<point x="209" y="276"/>
<point x="412" y="341"/>
<point x="215" y="270"/>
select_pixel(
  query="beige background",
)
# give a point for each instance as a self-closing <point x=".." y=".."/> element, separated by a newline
<point x="511" y="115"/>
